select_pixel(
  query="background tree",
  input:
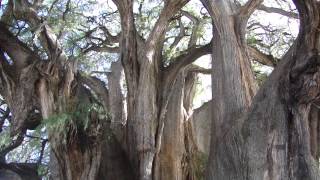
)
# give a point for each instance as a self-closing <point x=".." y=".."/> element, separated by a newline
<point x="70" y="101"/>
<point x="108" y="87"/>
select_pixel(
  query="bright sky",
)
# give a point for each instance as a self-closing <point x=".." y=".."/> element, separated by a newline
<point x="263" y="17"/>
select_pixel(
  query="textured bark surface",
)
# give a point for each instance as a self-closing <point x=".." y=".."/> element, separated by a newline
<point x="58" y="90"/>
<point x="155" y="124"/>
<point x="201" y="127"/>
<point x="172" y="140"/>
<point x="314" y="128"/>
<point x="19" y="171"/>
<point x="55" y="89"/>
<point x="233" y="84"/>
<point x="115" y="163"/>
<point x="6" y="174"/>
<point x="271" y="139"/>
<point x="170" y="160"/>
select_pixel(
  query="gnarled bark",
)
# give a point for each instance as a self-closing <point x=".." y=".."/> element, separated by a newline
<point x="272" y="139"/>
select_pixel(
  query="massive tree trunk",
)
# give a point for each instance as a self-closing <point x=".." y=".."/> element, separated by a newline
<point x="314" y="127"/>
<point x="74" y="118"/>
<point x="156" y="137"/>
<point x="156" y="113"/>
<point x="271" y="139"/>
<point x="233" y="84"/>
<point x="173" y="159"/>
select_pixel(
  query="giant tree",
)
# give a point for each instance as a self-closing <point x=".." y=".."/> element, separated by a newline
<point x="80" y="111"/>
<point x="270" y="137"/>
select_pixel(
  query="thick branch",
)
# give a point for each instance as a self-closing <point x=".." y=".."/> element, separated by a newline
<point x="170" y="9"/>
<point x="196" y="23"/>
<point x="199" y="69"/>
<point x="180" y="35"/>
<point x="262" y="58"/>
<point x="278" y="11"/>
<point x="102" y="49"/>
<point x="309" y="23"/>
<point x="98" y="87"/>
<point x="23" y="10"/>
<point x="188" y="57"/>
<point x="17" y="50"/>
<point x="110" y="38"/>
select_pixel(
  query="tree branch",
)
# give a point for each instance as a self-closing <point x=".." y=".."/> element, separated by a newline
<point x="14" y="144"/>
<point x="21" y="54"/>
<point x="180" y="35"/>
<point x="198" y="69"/>
<point x="195" y="28"/>
<point x="43" y="146"/>
<point x="278" y="11"/>
<point x="170" y="8"/>
<point x="98" y="87"/>
<point x="23" y="10"/>
<point x="309" y="23"/>
<point x="102" y="49"/>
<point x="187" y="58"/>
<point x="262" y="58"/>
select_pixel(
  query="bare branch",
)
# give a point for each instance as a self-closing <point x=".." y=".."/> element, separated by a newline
<point x="23" y="10"/>
<point x="190" y="56"/>
<point x="309" y="23"/>
<point x="102" y="49"/>
<point x="43" y="146"/>
<point x="171" y="7"/>
<point x="262" y="58"/>
<point x="180" y="35"/>
<point x="64" y="14"/>
<point x="195" y="28"/>
<point x="198" y="69"/>
<point x="187" y="58"/>
<point x="110" y="38"/>
<point x="278" y="11"/>
<point x="98" y="87"/>
<point x="21" y="54"/>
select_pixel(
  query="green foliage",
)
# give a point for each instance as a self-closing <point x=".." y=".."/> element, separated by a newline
<point x="43" y="171"/>
<point x="252" y="40"/>
<point x="79" y="118"/>
<point x="260" y="74"/>
<point x="5" y="139"/>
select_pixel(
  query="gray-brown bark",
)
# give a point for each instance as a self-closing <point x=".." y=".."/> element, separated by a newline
<point x="314" y="131"/>
<point x="19" y="172"/>
<point x="201" y="127"/>
<point x="151" y="124"/>
<point x="233" y="85"/>
<point x="271" y="140"/>
<point x="54" y="88"/>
